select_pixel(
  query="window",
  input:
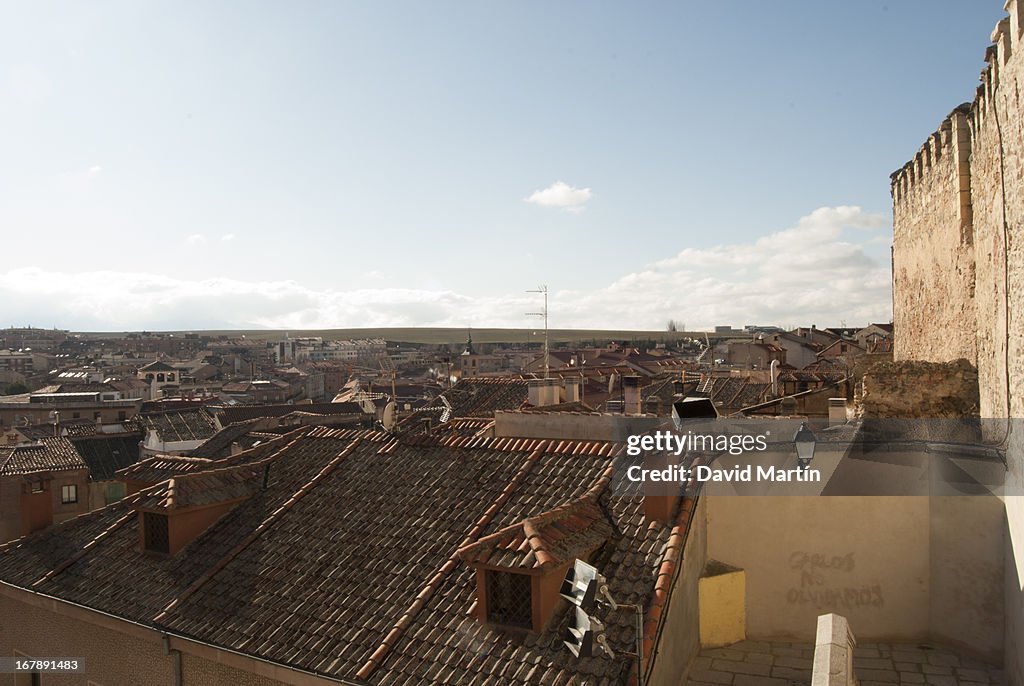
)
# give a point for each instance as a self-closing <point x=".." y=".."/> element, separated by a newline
<point x="76" y="415"/>
<point x="157" y="539"/>
<point x="38" y="487"/>
<point x="509" y="599"/>
<point x="69" y="494"/>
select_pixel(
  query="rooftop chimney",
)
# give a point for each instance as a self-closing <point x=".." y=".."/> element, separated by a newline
<point x="535" y="392"/>
<point x="572" y="389"/>
<point x="632" y="403"/>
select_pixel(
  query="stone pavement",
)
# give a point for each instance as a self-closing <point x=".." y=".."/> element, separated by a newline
<point x="757" y="663"/>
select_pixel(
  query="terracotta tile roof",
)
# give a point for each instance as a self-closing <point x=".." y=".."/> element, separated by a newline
<point x="347" y="565"/>
<point x="202" y="488"/>
<point x="49" y="455"/>
<point x="159" y="468"/>
<point x="105" y="454"/>
<point x="244" y="413"/>
<point x="181" y="425"/>
<point x="157" y="366"/>
<point x="549" y="539"/>
<point x="475" y="397"/>
<point x="219" y="445"/>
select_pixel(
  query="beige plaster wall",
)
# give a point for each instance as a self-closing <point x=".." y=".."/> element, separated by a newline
<point x="903" y="568"/>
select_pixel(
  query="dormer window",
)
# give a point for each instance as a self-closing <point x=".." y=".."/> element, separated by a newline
<point x="509" y="599"/>
<point x="519" y="569"/>
<point x="156" y="533"/>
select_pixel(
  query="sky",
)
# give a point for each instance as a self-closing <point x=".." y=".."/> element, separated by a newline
<point x="210" y="165"/>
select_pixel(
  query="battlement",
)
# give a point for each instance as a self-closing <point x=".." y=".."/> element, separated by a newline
<point x="944" y="159"/>
<point x="956" y="134"/>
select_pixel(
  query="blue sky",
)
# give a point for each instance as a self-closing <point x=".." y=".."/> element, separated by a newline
<point x="239" y="164"/>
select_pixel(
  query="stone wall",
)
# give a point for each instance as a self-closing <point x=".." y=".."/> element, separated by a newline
<point x="996" y="169"/>
<point x="933" y="252"/>
<point x="940" y="390"/>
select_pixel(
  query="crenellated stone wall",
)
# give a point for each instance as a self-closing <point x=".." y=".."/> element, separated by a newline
<point x="933" y="248"/>
<point x="958" y="271"/>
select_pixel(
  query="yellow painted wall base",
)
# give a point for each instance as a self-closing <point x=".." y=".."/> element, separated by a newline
<point x="723" y="609"/>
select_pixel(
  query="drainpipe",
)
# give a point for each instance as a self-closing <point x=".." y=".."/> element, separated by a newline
<point x="175" y="656"/>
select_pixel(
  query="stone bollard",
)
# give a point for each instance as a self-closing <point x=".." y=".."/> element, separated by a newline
<point x="833" y="652"/>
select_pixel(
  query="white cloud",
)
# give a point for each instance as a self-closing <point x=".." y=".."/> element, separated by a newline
<point x="195" y="239"/>
<point x="95" y="169"/>
<point x="228" y="237"/>
<point x="561" y="195"/>
<point x="807" y="274"/>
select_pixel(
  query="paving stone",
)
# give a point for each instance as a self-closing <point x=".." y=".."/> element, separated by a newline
<point x="941" y="680"/>
<point x="865" y="652"/>
<point x="795" y="662"/>
<point x="911" y="678"/>
<point x="737" y="667"/>
<point x="944" y="659"/>
<point x="936" y="669"/>
<point x="886" y="675"/>
<point x="918" y="656"/>
<point x="979" y="675"/>
<point x="790" y="673"/>
<point x="701" y="662"/>
<point x="786" y="651"/>
<point x="875" y="683"/>
<point x="752" y="646"/>
<point x="907" y="666"/>
<point x="871" y="663"/>
<point x="710" y="676"/>
<point x="727" y="653"/>
<point x="749" y="680"/>
<point x="759" y="658"/>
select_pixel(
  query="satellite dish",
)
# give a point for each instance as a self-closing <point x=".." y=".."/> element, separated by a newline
<point x="389" y="417"/>
<point x="611" y="382"/>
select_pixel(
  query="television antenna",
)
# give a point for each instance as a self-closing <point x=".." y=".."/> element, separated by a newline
<point x="544" y="314"/>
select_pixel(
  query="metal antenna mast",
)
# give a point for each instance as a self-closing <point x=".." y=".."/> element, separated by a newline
<point x="544" y="314"/>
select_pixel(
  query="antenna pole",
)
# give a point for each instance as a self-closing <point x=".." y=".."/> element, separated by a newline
<point x="544" y="314"/>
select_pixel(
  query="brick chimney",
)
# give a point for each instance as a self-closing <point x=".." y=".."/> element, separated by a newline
<point x="632" y="402"/>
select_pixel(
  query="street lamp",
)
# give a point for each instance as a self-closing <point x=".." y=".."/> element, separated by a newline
<point x="804" y="440"/>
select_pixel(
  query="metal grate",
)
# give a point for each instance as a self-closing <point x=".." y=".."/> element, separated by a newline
<point x="156" y="534"/>
<point x="509" y="599"/>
